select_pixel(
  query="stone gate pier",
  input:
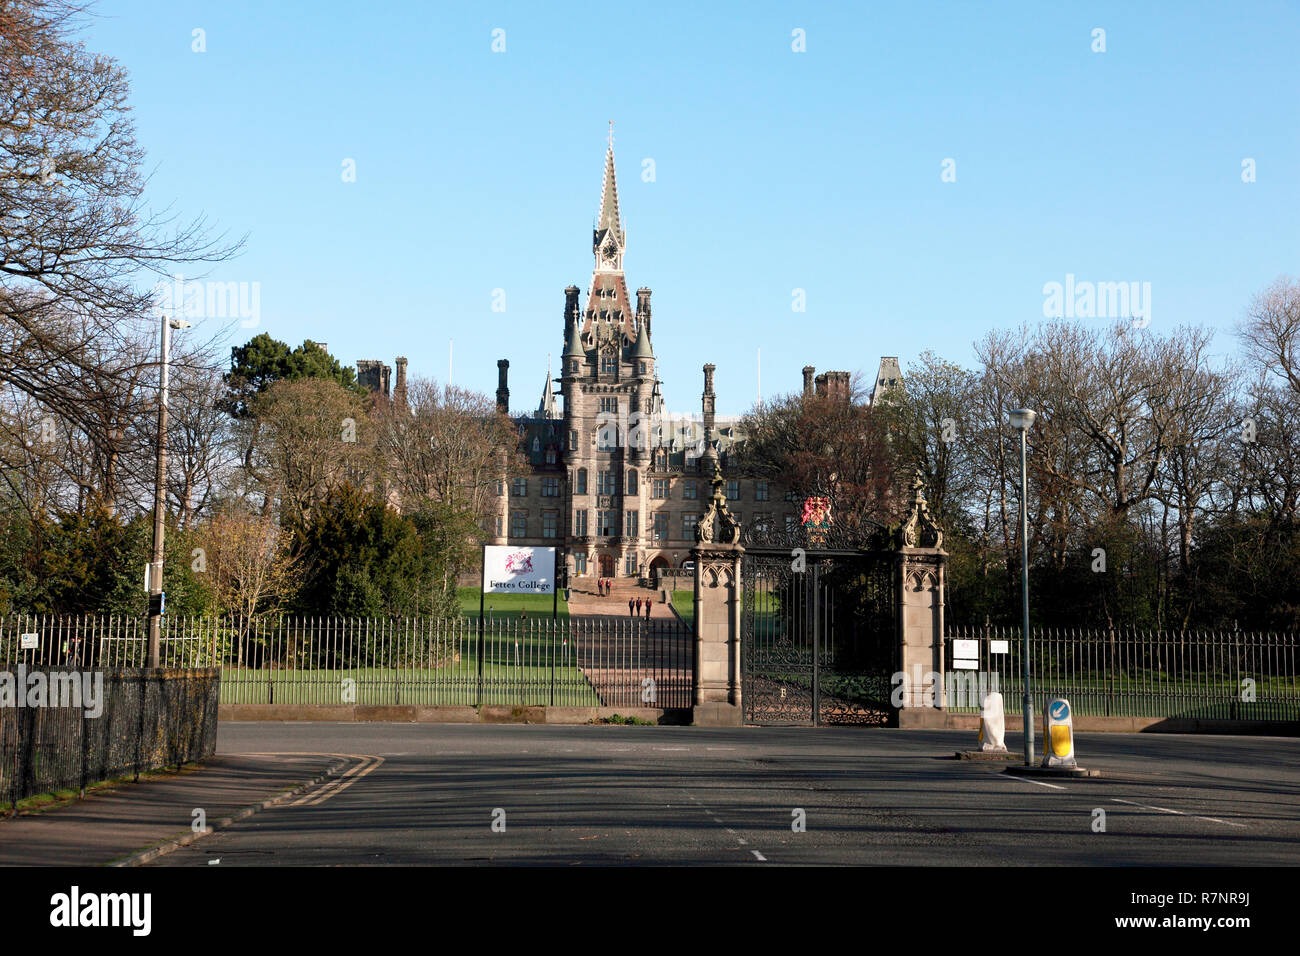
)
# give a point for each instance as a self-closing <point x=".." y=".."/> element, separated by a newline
<point x="717" y="556"/>
<point x="920" y="569"/>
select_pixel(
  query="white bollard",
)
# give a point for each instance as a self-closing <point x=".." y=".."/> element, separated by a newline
<point x="992" y="725"/>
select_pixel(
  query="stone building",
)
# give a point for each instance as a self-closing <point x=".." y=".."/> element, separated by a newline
<point x="616" y="482"/>
<point x="377" y="377"/>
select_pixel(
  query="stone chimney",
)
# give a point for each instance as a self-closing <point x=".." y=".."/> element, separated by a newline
<point x="374" y="375"/>
<point x="808" y="371"/>
<point x="399" y="391"/>
<point x="503" y="387"/>
<point x="643" y="307"/>
<point x="708" y="403"/>
<point x="833" y="385"/>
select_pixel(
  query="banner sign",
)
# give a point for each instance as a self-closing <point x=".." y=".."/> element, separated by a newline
<point x="511" y="569"/>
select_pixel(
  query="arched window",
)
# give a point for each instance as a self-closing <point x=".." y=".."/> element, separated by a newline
<point x="631" y="482"/>
<point x="582" y="482"/>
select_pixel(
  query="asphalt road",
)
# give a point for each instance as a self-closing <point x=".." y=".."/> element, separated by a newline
<point x="587" y="795"/>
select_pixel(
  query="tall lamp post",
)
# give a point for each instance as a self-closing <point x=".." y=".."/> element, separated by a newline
<point x="160" y="495"/>
<point x="1021" y="420"/>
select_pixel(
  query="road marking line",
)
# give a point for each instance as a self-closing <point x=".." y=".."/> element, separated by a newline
<point x="1181" y="813"/>
<point x="1144" y="806"/>
<point x="366" y="764"/>
<point x="1226" y="823"/>
<point x="1041" y="783"/>
<point x="340" y="788"/>
<point x="718" y="820"/>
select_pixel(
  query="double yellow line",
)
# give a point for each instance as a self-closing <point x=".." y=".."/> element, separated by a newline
<point x="365" y="764"/>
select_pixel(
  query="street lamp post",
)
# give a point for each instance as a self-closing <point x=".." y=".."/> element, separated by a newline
<point x="1021" y="420"/>
<point x="160" y="495"/>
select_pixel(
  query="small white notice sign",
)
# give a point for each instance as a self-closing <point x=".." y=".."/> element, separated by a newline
<point x="999" y="647"/>
<point x="967" y="649"/>
<point x="966" y="665"/>
<point x="29" y="642"/>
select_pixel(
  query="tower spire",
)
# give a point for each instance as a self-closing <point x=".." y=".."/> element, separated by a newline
<point x="609" y="231"/>
<point x="608" y="304"/>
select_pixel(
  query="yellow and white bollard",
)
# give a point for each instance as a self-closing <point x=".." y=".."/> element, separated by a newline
<point x="1058" y="734"/>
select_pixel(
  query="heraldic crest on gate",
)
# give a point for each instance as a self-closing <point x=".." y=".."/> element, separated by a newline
<point x="821" y="612"/>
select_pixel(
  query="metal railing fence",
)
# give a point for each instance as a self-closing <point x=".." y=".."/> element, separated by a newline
<point x="595" y="662"/>
<point x="1234" y="675"/>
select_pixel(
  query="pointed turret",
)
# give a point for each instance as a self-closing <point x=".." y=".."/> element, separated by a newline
<point x="546" y="408"/>
<point x="643" y="350"/>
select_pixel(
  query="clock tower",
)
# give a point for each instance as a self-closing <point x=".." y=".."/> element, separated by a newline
<point x="611" y="394"/>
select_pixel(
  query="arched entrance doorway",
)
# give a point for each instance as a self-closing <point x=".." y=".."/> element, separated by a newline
<point x="657" y="564"/>
<point x="607" y="565"/>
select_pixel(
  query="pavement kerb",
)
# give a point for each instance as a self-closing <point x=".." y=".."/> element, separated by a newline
<point x="162" y="849"/>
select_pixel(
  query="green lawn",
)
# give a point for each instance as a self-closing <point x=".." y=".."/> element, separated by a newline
<point x="509" y="605"/>
<point x="517" y="676"/>
<point x="684" y="604"/>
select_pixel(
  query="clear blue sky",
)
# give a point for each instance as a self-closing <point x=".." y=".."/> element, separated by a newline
<point x="775" y="170"/>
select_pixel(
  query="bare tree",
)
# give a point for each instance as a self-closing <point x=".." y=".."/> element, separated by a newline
<point x="76" y="239"/>
<point x="251" y="567"/>
<point x="202" y="456"/>
<point x="1270" y="333"/>
<point x="448" y="445"/>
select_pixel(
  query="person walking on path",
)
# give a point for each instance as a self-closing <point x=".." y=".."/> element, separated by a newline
<point x="638" y="607"/>
<point x="647" y="609"/>
<point x="630" y="612"/>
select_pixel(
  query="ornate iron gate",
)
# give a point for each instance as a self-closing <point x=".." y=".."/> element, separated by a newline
<point x="818" y="634"/>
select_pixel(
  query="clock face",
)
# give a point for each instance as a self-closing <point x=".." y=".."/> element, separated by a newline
<point x="611" y="251"/>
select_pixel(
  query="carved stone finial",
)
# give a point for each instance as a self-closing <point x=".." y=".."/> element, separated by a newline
<point x="718" y="524"/>
<point x="920" y="530"/>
